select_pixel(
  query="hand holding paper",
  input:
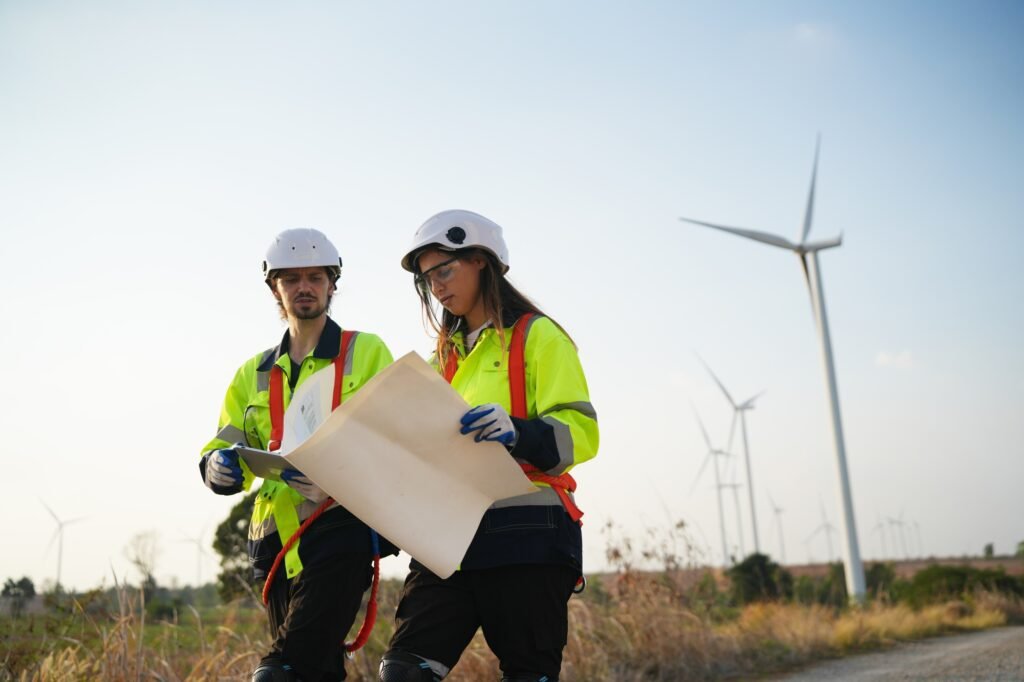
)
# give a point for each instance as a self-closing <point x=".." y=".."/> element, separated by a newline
<point x="490" y="422"/>
<point x="298" y="482"/>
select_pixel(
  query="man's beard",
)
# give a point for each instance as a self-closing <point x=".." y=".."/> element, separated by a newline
<point x="309" y="313"/>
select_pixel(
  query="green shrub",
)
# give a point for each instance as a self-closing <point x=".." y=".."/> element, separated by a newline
<point x="941" y="583"/>
<point x="758" y="578"/>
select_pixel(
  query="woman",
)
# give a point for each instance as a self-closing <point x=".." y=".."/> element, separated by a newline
<point x="521" y="373"/>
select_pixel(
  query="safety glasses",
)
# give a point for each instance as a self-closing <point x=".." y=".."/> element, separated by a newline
<point x="442" y="273"/>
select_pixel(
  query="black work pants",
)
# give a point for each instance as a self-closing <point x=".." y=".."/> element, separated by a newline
<point x="522" y="609"/>
<point x="311" y="614"/>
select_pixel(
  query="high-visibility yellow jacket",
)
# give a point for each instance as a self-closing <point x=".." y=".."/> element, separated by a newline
<point x="560" y="432"/>
<point x="245" y="418"/>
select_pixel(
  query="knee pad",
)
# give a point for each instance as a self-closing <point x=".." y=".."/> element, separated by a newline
<point x="528" y="677"/>
<point x="398" y="666"/>
<point x="274" y="672"/>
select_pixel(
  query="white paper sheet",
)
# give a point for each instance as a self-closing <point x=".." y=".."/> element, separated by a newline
<point x="308" y="409"/>
<point x="392" y="455"/>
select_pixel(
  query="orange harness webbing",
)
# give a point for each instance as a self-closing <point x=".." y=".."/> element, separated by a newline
<point x="276" y="434"/>
<point x="562" y="484"/>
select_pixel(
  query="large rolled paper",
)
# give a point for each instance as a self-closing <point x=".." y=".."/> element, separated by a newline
<point x="392" y="454"/>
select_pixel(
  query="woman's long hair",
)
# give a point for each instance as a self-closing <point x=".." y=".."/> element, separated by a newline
<point x="502" y="302"/>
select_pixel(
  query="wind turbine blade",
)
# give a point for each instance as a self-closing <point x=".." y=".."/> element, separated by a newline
<point x="703" y="431"/>
<point x="703" y="466"/>
<point x="75" y="520"/>
<point x="720" y="384"/>
<point x="49" y="545"/>
<point x="749" y="402"/>
<point x="807" y="273"/>
<point x="757" y="236"/>
<point x="824" y="244"/>
<point x="51" y="511"/>
<point x="732" y="431"/>
<point x="809" y="213"/>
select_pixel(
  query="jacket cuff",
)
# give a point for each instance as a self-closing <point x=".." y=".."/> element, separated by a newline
<point x="535" y="443"/>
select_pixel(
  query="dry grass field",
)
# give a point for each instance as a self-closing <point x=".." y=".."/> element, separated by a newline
<point x="631" y="626"/>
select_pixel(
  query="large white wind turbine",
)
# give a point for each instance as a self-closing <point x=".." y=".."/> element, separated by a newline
<point x="807" y="252"/>
<point x="713" y="454"/>
<point x="58" y="535"/>
<point x="739" y="411"/>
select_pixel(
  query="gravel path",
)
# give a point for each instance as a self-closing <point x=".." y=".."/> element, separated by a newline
<point x="990" y="656"/>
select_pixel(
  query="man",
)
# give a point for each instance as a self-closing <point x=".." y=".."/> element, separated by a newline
<point x="314" y="598"/>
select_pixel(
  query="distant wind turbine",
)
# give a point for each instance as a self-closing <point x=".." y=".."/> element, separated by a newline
<point x="777" y="511"/>
<point x="739" y="411"/>
<point x="200" y="551"/>
<point x="713" y="454"/>
<point x="828" y="528"/>
<point x="58" y="535"/>
<point x="880" y="529"/>
<point x="899" y="524"/>
<point x="807" y="252"/>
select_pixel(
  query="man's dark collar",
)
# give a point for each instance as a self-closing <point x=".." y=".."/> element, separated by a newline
<point x="327" y="347"/>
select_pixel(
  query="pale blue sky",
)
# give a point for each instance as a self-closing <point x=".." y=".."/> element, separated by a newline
<point x="150" y="152"/>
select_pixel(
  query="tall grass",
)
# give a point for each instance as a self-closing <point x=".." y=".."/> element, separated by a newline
<point x="641" y="629"/>
<point x="670" y="624"/>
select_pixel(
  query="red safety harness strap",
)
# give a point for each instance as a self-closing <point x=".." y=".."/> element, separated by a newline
<point x="276" y="400"/>
<point x="562" y="484"/>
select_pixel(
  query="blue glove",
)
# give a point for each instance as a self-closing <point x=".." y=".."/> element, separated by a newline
<point x="223" y="474"/>
<point x="298" y="482"/>
<point x="491" y="422"/>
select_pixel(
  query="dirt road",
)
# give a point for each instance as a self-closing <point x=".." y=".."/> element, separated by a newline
<point x="991" y="656"/>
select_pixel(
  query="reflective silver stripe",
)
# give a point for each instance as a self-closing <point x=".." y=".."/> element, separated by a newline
<point x="262" y="381"/>
<point x="563" y="444"/>
<point x="261" y="530"/>
<point x="544" y="497"/>
<point x="231" y="434"/>
<point x="258" y="531"/>
<point x="350" y="356"/>
<point x="584" y="408"/>
<point x="529" y="323"/>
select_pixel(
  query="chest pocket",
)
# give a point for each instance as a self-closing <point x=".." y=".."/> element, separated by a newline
<point x="256" y="421"/>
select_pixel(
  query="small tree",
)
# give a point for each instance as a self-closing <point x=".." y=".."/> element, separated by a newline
<point x="1020" y="549"/>
<point x="18" y="593"/>
<point x="230" y="541"/>
<point x="833" y="587"/>
<point x="990" y="551"/>
<point x="758" y="578"/>
<point x="142" y="552"/>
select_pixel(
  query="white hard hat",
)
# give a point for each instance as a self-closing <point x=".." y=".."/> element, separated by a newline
<point x="302" y="247"/>
<point x="458" y="229"/>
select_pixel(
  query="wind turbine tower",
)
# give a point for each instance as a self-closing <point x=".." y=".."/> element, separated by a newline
<point x="739" y="411"/>
<point x="807" y="252"/>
